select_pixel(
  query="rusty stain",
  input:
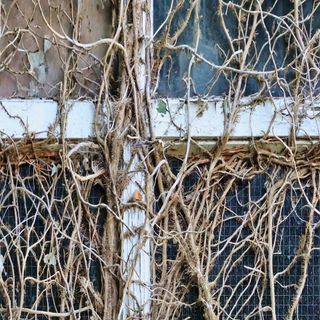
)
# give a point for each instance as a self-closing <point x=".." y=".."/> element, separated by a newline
<point x="137" y="196"/>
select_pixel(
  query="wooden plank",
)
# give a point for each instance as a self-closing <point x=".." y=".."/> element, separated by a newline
<point x="37" y="117"/>
<point x="136" y="263"/>
<point x="207" y="119"/>
<point x="136" y="251"/>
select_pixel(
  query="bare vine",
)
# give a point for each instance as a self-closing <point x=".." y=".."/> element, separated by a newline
<point x="217" y="223"/>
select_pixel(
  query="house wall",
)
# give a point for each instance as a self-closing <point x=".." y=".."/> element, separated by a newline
<point x="35" y="54"/>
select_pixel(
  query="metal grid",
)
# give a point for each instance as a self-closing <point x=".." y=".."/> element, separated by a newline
<point x="293" y="217"/>
<point x="30" y="215"/>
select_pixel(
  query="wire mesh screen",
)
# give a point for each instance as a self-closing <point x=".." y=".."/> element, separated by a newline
<point x="239" y="264"/>
<point x="49" y="245"/>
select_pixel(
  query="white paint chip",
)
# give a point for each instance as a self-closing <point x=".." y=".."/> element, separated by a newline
<point x="50" y="259"/>
<point x="1" y="264"/>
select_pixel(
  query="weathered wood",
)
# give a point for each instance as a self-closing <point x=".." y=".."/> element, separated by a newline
<point x="38" y="118"/>
<point x="136" y="262"/>
<point x="207" y="119"/>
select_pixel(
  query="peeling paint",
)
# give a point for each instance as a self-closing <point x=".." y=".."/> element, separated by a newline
<point x="202" y="107"/>
<point x="46" y="45"/>
<point x="37" y="65"/>
<point x="36" y="59"/>
<point x="37" y="69"/>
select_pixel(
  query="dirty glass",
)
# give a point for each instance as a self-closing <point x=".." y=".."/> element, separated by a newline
<point x="273" y="46"/>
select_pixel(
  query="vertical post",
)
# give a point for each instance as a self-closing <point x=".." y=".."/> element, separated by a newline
<point x="136" y="259"/>
<point x="136" y="266"/>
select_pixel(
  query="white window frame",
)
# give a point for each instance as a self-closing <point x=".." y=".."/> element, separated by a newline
<point x="204" y="121"/>
<point x="38" y="118"/>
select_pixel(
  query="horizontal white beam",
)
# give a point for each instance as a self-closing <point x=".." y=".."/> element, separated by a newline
<point x="206" y="120"/>
<point x="19" y="117"/>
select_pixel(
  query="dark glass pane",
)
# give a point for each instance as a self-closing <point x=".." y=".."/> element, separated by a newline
<point x="216" y="48"/>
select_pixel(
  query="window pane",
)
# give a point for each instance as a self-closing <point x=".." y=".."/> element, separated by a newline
<point x="225" y="27"/>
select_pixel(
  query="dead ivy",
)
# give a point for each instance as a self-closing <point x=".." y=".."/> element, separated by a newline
<point x="61" y="208"/>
